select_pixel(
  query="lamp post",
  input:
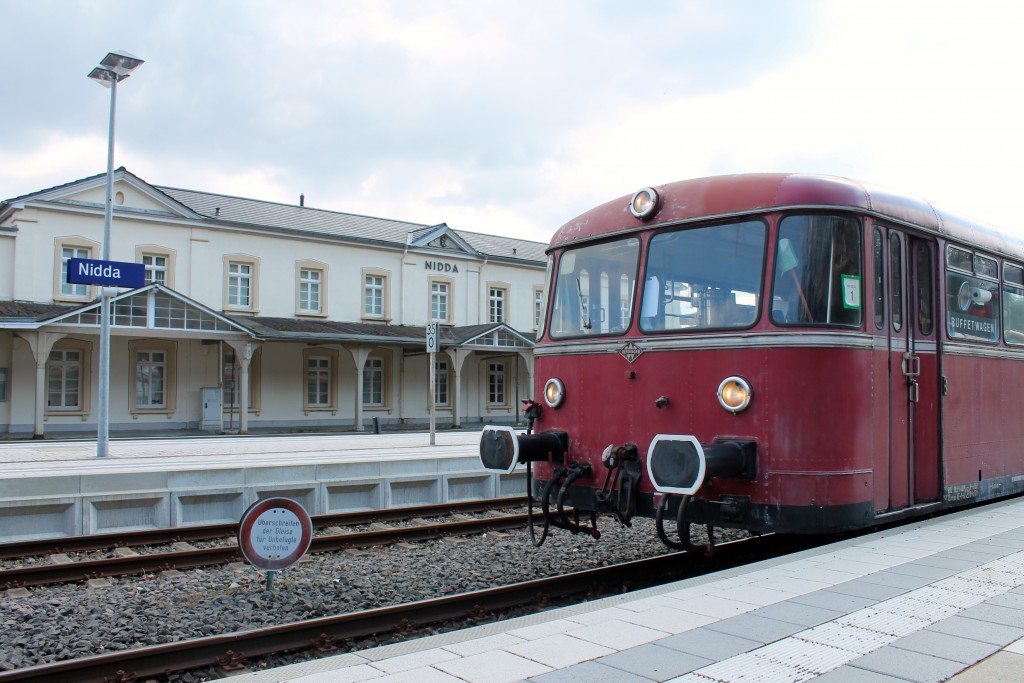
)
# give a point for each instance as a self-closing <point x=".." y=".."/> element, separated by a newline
<point x="114" y="68"/>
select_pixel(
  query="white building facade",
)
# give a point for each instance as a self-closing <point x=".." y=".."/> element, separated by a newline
<point x="257" y="315"/>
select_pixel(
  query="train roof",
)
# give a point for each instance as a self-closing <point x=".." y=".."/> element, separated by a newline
<point x="744" y="194"/>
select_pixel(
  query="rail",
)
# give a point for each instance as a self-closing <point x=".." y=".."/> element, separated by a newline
<point x="232" y="650"/>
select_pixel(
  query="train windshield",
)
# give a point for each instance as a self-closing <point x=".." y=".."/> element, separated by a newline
<point x="708" y="277"/>
<point x="593" y="289"/>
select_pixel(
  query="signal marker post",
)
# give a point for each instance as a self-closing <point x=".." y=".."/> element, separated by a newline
<point x="432" y="351"/>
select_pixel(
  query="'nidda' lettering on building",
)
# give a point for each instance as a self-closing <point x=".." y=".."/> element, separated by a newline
<point x="97" y="270"/>
<point x="441" y="266"/>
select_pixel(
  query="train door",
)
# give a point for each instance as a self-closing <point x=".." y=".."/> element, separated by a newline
<point x="913" y="476"/>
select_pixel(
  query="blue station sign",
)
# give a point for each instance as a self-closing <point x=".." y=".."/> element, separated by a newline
<point x="84" y="271"/>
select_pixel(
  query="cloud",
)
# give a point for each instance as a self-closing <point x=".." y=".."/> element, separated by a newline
<point x="514" y="117"/>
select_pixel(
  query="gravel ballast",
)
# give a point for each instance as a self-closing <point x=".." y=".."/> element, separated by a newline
<point x="48" y="624"/>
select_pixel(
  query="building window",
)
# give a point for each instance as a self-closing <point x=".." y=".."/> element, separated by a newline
<point x="231" y="379"/>
<point x="441" y="383"/>
<point x="309" y="290"/>
<point x="153" y="389"/>
<point x="625" y="300"/>
<point x="64" y="372"/>
<point x="158" y="262"/>
<point x="68" y="377"/>
<point x="66" y="288"/>
<point x="150" y="379"/>
<point x="496" y="297"/>
<point x="373" y="296"/>
<point x="318" y="382"/>
<point x="64" y="249"/>
<point x="3" y="384"/>
<point x="156" y="268"/>
<point x="496" y="384"/>
<point x="538" y="307"/>
<point x="440" y="301"/>
<point x="376" y="294"/>
<point x="373" y="382"/>
<point x="240" y="285"/>
<point x="320" y="379"/>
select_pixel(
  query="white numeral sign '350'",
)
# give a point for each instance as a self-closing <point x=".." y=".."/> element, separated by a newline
<point x="431" y="337"/>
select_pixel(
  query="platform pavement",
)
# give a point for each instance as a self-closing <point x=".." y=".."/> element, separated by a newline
<point x="932" y="601"/>
<point x="57" y="488"/>
<point x="33" y="458"/>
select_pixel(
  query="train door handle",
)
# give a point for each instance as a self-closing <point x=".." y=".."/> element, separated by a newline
<point x="915" y="393"/>
<point x="911" y="365"/>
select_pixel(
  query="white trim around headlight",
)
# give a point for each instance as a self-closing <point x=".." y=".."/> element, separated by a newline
<point x="554" y="392"/>
<point x="734" y="394"/>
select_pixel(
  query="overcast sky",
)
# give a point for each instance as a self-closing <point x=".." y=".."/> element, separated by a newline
<point x="512" y="117"/>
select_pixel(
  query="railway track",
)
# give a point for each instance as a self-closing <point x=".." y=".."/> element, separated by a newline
<point x="232" y="651"/>
<point x="49" y="574"/>
<point x="205" y="532"/>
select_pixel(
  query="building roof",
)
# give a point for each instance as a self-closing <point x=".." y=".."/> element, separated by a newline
<point x="240" y="211"/>
<point x="254" y="212"/>
<point x="30" y="311"/>
<point x="332" y="331"/>
<point x="22" y="314"/>
<point x="225" y="208"/>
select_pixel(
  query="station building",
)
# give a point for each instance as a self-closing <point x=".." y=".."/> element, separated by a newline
<point x="257" y="315"/>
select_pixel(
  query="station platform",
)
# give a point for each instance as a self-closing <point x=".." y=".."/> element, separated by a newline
<point x="930" y="601"/>
<point x="57" y="488"/>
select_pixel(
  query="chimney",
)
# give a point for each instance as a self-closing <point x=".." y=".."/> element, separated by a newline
<point x="302" y="200"/>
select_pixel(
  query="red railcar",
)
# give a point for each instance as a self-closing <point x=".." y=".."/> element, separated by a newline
<point x="776" y="353"/>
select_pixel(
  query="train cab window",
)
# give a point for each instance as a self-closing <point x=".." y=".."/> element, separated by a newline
<point x="593" y="289"/>
<point x="878" y="264"/>
<point x="972" y="296"/>
<point x="818" y="271"/>
<point x="1013" y="304"/>
<point x="896" y="280"/>
<point x="707" y="277"/>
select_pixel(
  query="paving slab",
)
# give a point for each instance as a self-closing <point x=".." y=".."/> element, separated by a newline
<point x="655" y="662"/>
<point x="908" y="665"/>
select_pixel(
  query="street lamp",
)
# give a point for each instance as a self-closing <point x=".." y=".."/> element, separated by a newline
<point x="114" y="68"/>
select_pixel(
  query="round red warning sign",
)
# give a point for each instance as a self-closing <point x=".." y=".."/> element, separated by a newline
<point x="274" y="533"/>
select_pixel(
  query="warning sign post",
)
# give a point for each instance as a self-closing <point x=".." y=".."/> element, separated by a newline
<point x="274" y="534"/>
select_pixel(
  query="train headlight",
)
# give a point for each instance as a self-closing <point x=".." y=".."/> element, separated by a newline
<point x="644" y="203"/>
<point x="554" y="392"/>
<point x="734" y="393"/>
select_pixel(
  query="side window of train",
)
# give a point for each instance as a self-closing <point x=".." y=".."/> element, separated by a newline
<point x="818" y="271"/>
<point x="925" y="314"/>
<point x="972" y="295"/>
<point x="878" y="265"/>
<point x="896" y="280"/>
<point x="1013" y="304"/>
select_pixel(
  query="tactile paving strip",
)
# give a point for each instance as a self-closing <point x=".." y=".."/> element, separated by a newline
<point x="829" y="646"/>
